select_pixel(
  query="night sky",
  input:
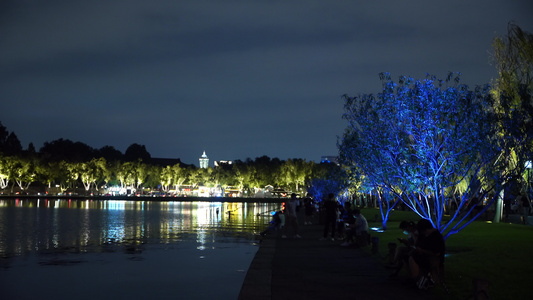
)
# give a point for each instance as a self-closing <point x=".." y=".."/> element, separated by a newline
<point x="238" y="79"/>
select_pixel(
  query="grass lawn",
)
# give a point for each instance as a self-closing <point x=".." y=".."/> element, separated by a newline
<point x="500" y="253"/>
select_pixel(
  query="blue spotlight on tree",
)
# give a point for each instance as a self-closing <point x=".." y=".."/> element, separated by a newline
<point x="423" y="142"/>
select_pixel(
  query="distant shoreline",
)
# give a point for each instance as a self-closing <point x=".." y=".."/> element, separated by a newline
<point x="135" y="198"/>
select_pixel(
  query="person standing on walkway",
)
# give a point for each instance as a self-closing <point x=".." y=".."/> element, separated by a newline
<point x="309" y="209"/>
<point x="291" y="219"/>
<point x="330" y="210"/>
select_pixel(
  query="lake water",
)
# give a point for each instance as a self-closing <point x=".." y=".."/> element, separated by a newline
<point x="86" y="249"/>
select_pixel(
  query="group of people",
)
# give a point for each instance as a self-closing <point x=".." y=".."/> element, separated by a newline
<point x="422" y="251"/>
<point x="340" y="222"/>
<point x="344" y="223"/>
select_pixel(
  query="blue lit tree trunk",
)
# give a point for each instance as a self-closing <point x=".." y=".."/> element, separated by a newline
<point x="417" y="140"/>
<point x="386" y="202"/>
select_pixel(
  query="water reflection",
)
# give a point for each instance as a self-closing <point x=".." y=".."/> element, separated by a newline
<point x="41" y="225"/>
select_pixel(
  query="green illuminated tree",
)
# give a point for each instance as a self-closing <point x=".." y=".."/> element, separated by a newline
<point x="92" y="172"/>
<point x="140" y="173"/>
<point x="24" y="171"/>
<point x="73" y="173"/>
<point x="166" y="178"/>
<point x="198" y="176"/>
<point x="179" y="176"/>
<point x="56" y="172"/>
<point x="267" y="171"/>
<point x="513" y="57"/>
<point x="107" y="171"/>
<point x="219" y="175"/>
<point x="295" y="172"/>
<point x="125" y="174"/>
<point x="6" y="171"/>
<point x="206" y="176"/>
<point x="243" y="173"/>
<point x="154" y="175"/>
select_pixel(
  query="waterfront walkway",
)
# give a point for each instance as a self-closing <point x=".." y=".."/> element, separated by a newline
<point x="310" y="268"/>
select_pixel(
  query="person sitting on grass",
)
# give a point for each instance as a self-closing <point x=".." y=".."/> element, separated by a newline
<point x="428" y="255"/>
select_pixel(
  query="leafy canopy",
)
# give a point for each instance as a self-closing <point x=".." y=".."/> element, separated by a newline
<point x="418" y="140"/>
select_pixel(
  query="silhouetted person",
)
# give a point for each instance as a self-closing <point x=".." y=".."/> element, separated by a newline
<point x="309" y="208"/>
<point x="330" y="210"/>
<point x="274" y="224"/>
<point x="291" y="219"/>
<point x="428" y="255"/>
<point x="401" y="255"/>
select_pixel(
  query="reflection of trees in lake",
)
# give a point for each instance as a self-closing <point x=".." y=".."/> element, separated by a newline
<point x="98" y="225"/>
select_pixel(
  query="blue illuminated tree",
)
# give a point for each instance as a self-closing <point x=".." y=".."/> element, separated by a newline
<point x="320" y="188"/>
<point x="360" y="150"/>
<point x="328" y="178"/>
<point x="417" y="140"/>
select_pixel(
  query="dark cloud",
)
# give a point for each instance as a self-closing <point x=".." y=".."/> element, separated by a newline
<point x="237" y="79"/>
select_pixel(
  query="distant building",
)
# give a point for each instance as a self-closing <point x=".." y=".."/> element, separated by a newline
<point x="222" y="163"/>
<point x="204" y="161"/>
<point x="330" y="159"/>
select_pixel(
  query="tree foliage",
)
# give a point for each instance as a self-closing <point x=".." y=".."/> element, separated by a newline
<point x="137" y="152"/>
<point x="67" y="150"/>
<point x="328" y="178"/>
<point x="67" y="165"/>
<point x="9" y="142"/>
<point x="418" y="139"/>
<point x="513" y="58"/>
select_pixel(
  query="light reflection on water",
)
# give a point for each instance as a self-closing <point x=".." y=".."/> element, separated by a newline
<point x="108" y="249"/>
<point x="40" y="225"/>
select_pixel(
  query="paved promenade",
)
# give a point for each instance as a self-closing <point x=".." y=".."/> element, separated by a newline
<point x="308" y="268"/>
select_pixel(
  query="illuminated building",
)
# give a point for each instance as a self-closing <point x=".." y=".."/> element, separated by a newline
<point x="204" y="161"/>
<point x="222" y="162"/>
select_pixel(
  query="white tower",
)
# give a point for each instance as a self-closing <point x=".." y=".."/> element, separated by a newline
<point x="204" y="161"/>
